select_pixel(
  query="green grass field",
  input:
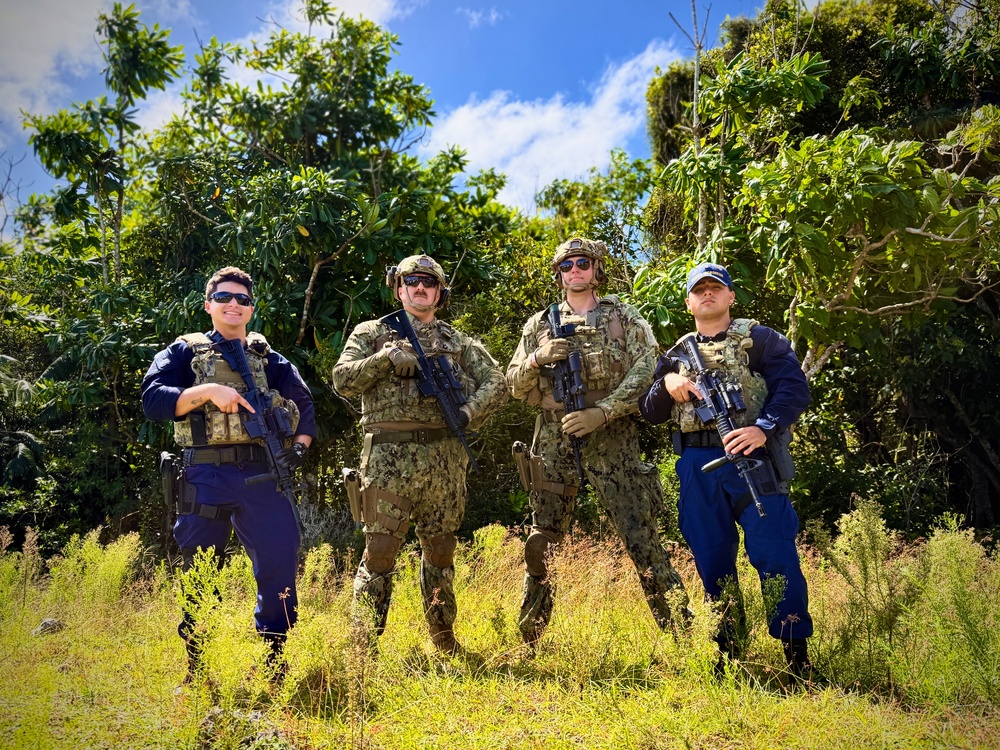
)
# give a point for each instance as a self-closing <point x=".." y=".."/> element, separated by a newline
<point x="909" y="637"/>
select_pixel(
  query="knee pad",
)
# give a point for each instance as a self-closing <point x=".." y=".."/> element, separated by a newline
<point x="536" y="550"/>
<point x="380" y="552"/>
<point x="439" y="551"/>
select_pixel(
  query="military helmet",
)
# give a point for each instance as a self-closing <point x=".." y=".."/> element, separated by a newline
<point x="593" y="249"/>
<point x="418" y="264"/>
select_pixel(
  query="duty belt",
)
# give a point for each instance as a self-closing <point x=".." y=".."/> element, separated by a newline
<point x="421" y="437"/>
<point x="701" y="439"/>
<point x="226" y="454"/>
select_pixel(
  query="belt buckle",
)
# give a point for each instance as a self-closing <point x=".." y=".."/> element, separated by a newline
<point x="420" y="437"/>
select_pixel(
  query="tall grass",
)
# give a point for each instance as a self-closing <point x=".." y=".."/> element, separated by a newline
<point x="908" y="634"/>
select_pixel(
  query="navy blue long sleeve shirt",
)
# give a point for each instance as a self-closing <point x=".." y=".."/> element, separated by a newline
<point x="771" y="356"/>
<point x="170" y="373"/>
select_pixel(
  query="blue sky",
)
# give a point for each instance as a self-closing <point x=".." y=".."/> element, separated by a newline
<point x="538" y="90"/>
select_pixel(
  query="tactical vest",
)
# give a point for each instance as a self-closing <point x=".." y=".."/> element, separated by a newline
<point x="436" y="338"/>
<point x="730" y="360"/>
<point x="600" y="339"/>
<point x="208" y="425"/>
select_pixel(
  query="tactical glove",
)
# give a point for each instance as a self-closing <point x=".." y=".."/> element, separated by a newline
<point x="291" y="458"/>
<point x="583" y="422"/>
<point x="464" y="416"/>
<point x="404" y="360"/>
<point x="552" y="351"/>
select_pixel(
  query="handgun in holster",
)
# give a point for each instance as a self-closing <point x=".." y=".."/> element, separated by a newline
<point x="170" y="468"/>
<point x="355" y="493"/>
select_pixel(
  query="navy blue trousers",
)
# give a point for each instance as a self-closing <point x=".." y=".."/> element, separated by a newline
<point x="707" y="521"/>
<point x="265" y="525"/>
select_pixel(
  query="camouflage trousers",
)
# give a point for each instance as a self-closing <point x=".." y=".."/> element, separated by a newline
<point x="630" y="494"/>
<point x="432" y="478"/>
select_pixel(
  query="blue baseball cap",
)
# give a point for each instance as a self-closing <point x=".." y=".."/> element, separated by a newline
<point x="708" y="271"/>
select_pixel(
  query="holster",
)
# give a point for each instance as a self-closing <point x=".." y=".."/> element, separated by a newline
<point x="531" y="470"/>
<point x="522" y="459"/>
<point x="781" y="458"/>
<point x="355" y="495"/>
<point x="364" y="503"/>
<point x="170" y="466"/>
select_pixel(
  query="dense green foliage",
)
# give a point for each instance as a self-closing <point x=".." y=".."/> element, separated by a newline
<point x="844" y="166"/>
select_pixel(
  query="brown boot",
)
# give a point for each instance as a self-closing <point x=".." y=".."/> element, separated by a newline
<point x="444" y="640"/>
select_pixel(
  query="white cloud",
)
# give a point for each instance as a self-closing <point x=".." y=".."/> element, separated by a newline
<point x="536" y="142"/>
<point x="40" y="42"/>
<point x="288" y="13"/>
<point x="476" y="17"/>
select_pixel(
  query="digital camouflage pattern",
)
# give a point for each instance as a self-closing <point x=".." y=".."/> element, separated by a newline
<point x="437" y="590"/>
<point x="729" y="358"/>
<point x="210" y="366"/>
<point x="630" y="494"/>
<point x="619" y="355"/>
<point x="364" y="370"/>
<point x="432" y="476"/>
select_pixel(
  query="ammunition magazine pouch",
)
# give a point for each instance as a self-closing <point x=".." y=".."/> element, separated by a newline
<point x="364" y="503"/>
<point x="531" y="470"/>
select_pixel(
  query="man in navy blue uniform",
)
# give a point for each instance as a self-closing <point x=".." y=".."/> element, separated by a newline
<point x="761" y="363"/>
<point x="191" y="383"/>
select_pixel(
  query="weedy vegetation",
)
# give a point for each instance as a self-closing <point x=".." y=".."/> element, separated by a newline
<point x="908" y="635"/>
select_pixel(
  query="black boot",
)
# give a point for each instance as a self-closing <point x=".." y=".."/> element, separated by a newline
<point x="799" y="665"/>
<point x="275" y="658"/>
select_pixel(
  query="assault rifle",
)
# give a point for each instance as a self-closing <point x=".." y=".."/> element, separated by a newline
<point x="567" y="381"/>
<point x="437" y="379"/>
<point x="268" y="423"/>
<point x="720" y="403"/>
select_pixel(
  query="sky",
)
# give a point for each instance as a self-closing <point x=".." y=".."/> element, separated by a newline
<point x="537" y="89"/>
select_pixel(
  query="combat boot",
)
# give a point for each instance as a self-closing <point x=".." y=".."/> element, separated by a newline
<point x="799" y="665"/>
<point x="275" y="658"/>
<point x="444" y="640"/>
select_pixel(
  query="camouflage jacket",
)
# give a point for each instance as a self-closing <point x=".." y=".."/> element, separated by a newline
<point x="618" y="353"/>
<point x="364" y="370"/>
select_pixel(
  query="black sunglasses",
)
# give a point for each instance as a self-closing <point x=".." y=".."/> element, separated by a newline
<point x="224" y="298"/>
<point x="429" y="282"/>
<point x="567" y="265"/>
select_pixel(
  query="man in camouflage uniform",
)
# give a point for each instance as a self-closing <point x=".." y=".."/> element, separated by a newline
<point x="758" y="362"/>
<point x="411" y="465"/>
<point x="618" y="353"/>
<point x="193" y="385"/>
